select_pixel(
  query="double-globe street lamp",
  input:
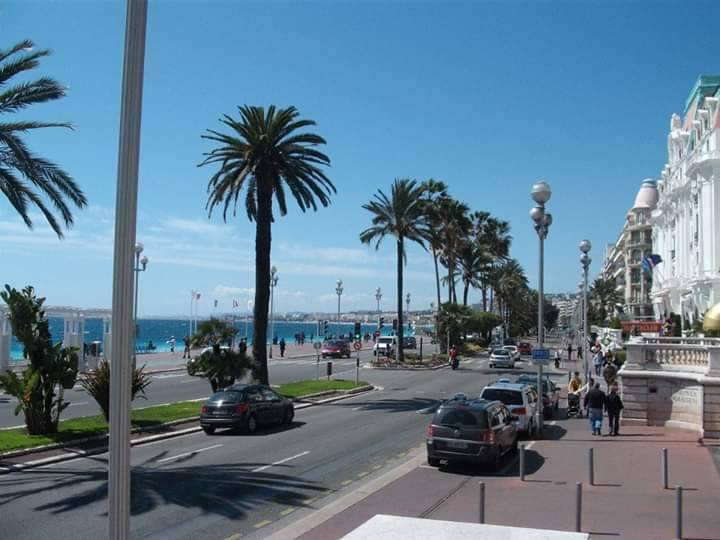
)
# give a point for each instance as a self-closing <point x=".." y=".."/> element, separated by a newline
<point x="273" y="284"/>
<point x="585" y="261"/>
<point x="541" y="194"/>
<point x="140" y="266"/>
<point x="338" y="290"/>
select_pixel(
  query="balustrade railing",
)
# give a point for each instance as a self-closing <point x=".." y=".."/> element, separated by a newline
<point x="697" y="355"/>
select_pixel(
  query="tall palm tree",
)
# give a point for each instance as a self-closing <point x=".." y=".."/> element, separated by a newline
<point x="27" y="179"/>
<point x="493" y="236"/>
<point x="434" y="191"/>
<point x="455" y="225"/>
<point x="473" y="262"/>
<point x="265" y="154"/>
<point x="401" y="215"/>
<point x="510" y="280"/>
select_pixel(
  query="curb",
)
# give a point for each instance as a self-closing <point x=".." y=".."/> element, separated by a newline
<point x="138" y="441"/>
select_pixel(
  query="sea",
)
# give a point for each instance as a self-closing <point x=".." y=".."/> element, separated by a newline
<point x="161" y="331"/>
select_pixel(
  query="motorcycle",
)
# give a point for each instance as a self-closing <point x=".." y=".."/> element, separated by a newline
<point x="454" y="363"/>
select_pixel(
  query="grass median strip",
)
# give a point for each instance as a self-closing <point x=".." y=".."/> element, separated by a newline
<point x="88" y="426"/>
<point x="312" y="386"/>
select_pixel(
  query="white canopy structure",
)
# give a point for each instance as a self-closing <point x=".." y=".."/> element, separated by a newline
<point x="73" y="332"/>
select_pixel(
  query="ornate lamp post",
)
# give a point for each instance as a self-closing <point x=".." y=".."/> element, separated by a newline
<point x="338" y="290"/>
<point x="540" y="194"/>
<point x="585" y="261"/>
<point x="407" y="303"/>
<point x="140" y="266"/>
<point x="273" y="284"/>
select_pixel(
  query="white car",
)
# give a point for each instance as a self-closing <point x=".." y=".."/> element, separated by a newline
<point x="502" y="358"/>
<point x="384" y="346"/>
<point x="520" y="399"/>
<point x="513" y="350"/>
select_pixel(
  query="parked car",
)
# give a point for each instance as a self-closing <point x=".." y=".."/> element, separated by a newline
<point x="477" y="431"/>
<point x="335" y="348"/>
<point x="409" y="342"/>
<point x="550" y="393"/>
<point x="385" y="346"/>
<point x="247" y="407"/>
<point x="513" y="351"/>
<point x="525" y="348"/>
<point x="501" y="358"/>
<point x="520" y="399"/>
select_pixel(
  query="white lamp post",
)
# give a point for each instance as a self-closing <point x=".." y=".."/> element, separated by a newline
<point x="273" y="284"/>
<point x="585" y="261"/>
<point x="140" y="266"/>
<point x="541" y="194"/>
<point x="407" y="303"/>
<point x="338" y="290"/>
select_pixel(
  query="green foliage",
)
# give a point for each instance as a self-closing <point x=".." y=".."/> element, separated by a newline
<point x="51" y="368"/>
<point x="26" y="178"/>
<point x="213" y="332"/>
<point x="550" y="313"/>
<point x="603" y="293"/>
<point x="97" y="384"/>
<point x="312" y="386"/>
<point x="615" y="323"/>
<point x="221" y="366"/>
<point x="453" y="320"/>
<point x="620" y="357"/>
<point x="483" y="323"/>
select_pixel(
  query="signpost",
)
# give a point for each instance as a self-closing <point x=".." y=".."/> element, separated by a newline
<point x="541" y="356"/>
<point x="357" y="346"/>
<point x="317" y="346"/>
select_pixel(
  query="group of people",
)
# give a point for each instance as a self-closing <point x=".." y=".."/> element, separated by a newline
<point x="596" y="402"/>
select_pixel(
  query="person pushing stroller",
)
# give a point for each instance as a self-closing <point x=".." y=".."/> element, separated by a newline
<point x="575" y="388"/>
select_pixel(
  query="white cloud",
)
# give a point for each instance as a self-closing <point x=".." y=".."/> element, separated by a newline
<point x="225" y="291"/>
<point x="194" y="226"/>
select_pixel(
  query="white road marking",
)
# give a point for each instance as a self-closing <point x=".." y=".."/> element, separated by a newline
<point x="264" y="467"/>
<point x="529" y="445"/>
<point x="78" y="403"/>
<point x="189" y="453"/>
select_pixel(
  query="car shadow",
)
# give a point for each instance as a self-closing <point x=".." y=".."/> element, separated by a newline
<point x="509" y="467"/>
<point x="261" y="431"/>
<point x="391" y="405"/>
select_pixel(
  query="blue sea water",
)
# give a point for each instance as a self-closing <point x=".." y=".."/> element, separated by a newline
<point x="160" y="331"/>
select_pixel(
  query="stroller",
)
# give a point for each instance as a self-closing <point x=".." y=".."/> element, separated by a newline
<point x="573" y="408"/>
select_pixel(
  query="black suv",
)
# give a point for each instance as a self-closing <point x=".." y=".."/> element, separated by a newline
<point x="245" y="406"/>
<point x="477" y="431"/>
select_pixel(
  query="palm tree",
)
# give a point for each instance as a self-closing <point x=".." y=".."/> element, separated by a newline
<point x="473" y="262"/>
<point x="509" y="281"/>
<point x="434" y="191"/>
<point x="401" y="215"/>
<point x="265" y="154"/>
<point x="455" y="227"/>
<point x="493" y="236"/>
<point x="27" y="179"/>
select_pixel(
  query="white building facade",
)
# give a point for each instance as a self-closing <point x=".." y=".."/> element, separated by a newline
<point x="686" y="220"/>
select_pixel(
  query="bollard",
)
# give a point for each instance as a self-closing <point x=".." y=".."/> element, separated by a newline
<point x="664" y="471"/>
<point x="357" y="368"/>
<point x="678" y="513"/>
<point x="522" y="462"/>
<point x="591" y="466"/>
<point x="578" y="507"/>
<point x="329" y="370"/>
<point x="481" y="506"/>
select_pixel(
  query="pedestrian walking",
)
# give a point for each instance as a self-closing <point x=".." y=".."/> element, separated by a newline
<point x="557" y="358"/>
<point x="613" y="405"/>
<point x="186" y="350"/>
<point x="243" y="346"/>
<point x="598" y="361"/>
<point x="579" y="353"/>
<point x="609" y="374"/>
<point x="282" y="347"/>
<point x="172" y="344"/>
<point x="570" y="350"/>
<point x="595" y="403"/>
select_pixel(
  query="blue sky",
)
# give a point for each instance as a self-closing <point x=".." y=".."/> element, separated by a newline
<point x="487" y="96"/>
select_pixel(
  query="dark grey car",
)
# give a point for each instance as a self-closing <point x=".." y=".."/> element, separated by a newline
<point x="245" y="406"/>
<point x="476" y="431"/>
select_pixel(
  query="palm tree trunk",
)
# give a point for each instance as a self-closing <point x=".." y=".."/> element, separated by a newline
<point x="437" y="276"/>
<point x="484" y="295"/>
<point x="450" y="280"/>
<point x="262" y="281"/>
<point x="400" y="252"/>
<point x="465" y="293"/>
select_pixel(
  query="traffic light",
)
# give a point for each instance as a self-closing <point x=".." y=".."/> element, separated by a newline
<point x="358" y="331"/>
<point x="381" y="323"/>
<point x="395" y="325"/>
<point x="325" y="328"/>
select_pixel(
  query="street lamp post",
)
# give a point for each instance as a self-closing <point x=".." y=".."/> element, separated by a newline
<point x="140" y="266"/>
<point x="378" y="296"/>
<point x="585" y="261"/>
<point x="338" y="291"/>
<point x="407" y="303"/>
<point x="541" y="194"/>
<point x="273" y="284"/>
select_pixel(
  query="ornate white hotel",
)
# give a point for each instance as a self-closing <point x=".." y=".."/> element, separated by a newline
<point x="686" y="219"/>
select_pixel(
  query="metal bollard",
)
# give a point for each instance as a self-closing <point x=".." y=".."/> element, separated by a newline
<point x="481" y="507"/>
<point x="578" y="507"/>
<point x="591" y="466"/>
<point x="522" y="462"/>
<point x="678" y="513"/>
<point x="664" y="471"/>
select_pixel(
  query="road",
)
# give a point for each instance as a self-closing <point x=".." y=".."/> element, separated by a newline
<point x="200" y="486"/>
<point x="179" y="386"/>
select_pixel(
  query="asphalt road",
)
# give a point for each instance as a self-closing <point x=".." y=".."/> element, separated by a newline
<point x="200" y="486"/>
<point x="179" y="386"/>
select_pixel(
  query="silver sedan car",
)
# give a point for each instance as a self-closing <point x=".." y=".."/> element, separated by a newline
<point x="502" y="358"/>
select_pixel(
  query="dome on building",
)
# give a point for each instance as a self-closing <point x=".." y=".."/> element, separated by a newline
<point x="647" y="196"/>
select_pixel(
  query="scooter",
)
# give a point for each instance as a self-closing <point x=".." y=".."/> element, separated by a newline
<point x="454" y="363"/>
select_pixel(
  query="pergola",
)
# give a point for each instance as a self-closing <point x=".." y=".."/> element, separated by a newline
<point x="73" y="332"/>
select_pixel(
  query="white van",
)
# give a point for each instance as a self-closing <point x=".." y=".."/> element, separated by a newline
<point x="384" y="345"/>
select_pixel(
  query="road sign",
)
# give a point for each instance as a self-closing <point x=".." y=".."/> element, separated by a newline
<point x="317" y="345"/>
<point x="377" y="333"/>
<point x="541" y="356"/>
<point x="357" y="346"/>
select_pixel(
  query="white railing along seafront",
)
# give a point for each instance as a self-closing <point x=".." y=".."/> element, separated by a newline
<point x="677" y="354"/>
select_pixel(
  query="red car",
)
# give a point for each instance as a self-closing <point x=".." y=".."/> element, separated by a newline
<point x="335" y="349"/>
<point x="525" y="349"/>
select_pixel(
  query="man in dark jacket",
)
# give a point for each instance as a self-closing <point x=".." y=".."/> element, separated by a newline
<point x="595" y="403"/>
<point x="614" y="405"/>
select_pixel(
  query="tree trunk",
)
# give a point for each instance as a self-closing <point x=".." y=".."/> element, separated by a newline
<point x="400" y="251"/>
<point x="466" y="290"/>
<point x="449" y="278"/>
<point x="437" y="277"/>
<point x="262" y="280"/>
<point x="484" y="295"/>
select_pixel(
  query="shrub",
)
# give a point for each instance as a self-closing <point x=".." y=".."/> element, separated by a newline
<point x="97" y="384"/>
<point x="221" y="367"/>
<point x="620" y="357"/>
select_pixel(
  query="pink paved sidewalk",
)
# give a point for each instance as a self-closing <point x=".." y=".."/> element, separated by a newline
<point x="627" y="500"/>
